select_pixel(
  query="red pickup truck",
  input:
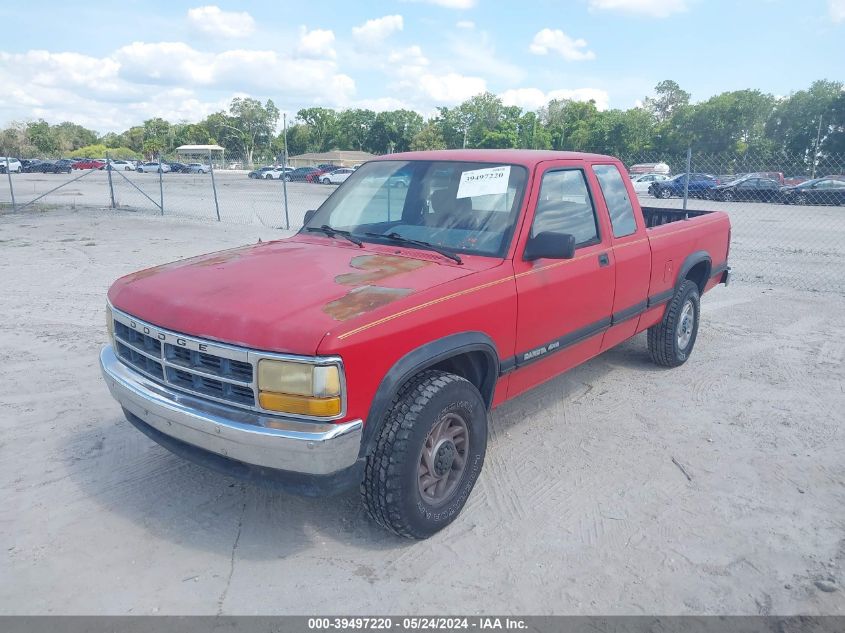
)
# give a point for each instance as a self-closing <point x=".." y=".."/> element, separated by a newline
<point x="369" y="348"/>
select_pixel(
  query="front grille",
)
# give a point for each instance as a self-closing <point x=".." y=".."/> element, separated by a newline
<point x="200" y="372"/>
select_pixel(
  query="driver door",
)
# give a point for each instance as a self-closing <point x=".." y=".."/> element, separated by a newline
<point x="563" y="305"/>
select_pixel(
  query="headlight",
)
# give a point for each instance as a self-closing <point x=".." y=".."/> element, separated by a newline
<point x="110" y="323"/>
<point x="299" y="388"/>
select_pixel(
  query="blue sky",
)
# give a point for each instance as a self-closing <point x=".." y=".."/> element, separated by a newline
<point x="109" y="66"/>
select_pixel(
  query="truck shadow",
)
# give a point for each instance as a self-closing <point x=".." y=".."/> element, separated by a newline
<point x="174" y="500"/>
<point x="177" y="501"/>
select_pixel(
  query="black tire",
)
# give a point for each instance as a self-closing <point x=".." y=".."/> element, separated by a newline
<point x="728" y="196"/>
<point x="665" y="193"/>
<point x="391" y="488"/>
<point x="671" y="341"/>
<point x="326" y="181"/>
<point x="802" y="199"/>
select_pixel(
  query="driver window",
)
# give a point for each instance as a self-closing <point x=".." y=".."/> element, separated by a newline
<point x="565" y="206"/>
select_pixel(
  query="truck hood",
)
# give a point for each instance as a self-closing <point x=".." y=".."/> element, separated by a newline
<point x="284" y="296"/>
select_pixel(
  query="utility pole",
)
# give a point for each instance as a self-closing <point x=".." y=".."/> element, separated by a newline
<point x="284" y="168"/>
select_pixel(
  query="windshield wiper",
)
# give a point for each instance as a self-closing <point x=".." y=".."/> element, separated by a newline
<point x="331" y="232"/>
<point x="395" y="237"/>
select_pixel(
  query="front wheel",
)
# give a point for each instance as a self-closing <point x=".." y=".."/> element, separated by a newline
<point x="728" y="196"/>
<point x="428" y="455"/>
<point x="665" y="193"/>
<point x="670" y="342"/>
<point x="326" y="181"/>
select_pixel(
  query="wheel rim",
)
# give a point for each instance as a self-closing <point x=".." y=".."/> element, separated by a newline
<point x="686" y="324"/>
<point x="443" y="459"/>
<point x="665" y="193"/>
<point x="729" y="196"/>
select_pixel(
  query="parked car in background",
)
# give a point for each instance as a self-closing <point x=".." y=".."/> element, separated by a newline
<point x="327" y="167"/>
<point x="336" y="176"/>
<point x="178" y="168"/>
<point x="643" y="181"/>
<point x="748" y="187"/>
<point x="649" y="168"/>
<point x="277" y="172"/>
<point x="300" y="174"/>
<point x="28" y="164"/>
<point x="261" y="172"/>
<point x="699" y="186"/>
<point x="198" y="168"/>
<point x="791" y="181"/>
<point x="827" y="190"/>
<point x="772" y="175"/>
<point x="121" y="165"/>
<point x="52" y="167"/>
<point x="153" y="168"/>
<point x="88" y="163"/>
<point x="12" y="165"/>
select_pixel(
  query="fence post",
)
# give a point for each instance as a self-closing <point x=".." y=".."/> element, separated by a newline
<point x="111" y="185"/>
<point x="284" y="170"/>
<point x="11" y="188"/>
<point x="213" y="184"/>
<point x="686" y="179"/>
<point x="160" y="186"/>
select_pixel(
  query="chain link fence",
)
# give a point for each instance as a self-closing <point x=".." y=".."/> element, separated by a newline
<point x="787" y="212"/>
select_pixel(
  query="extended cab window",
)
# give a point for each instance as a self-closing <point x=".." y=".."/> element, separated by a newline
<point x="616" y="198"/>
<point x="565" y="206"/>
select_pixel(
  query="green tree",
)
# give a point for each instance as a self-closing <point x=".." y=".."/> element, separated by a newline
<point x="254" y="124"/>
<point x="322" y="123"/>
<point x="353" y="128"/>
<point x="669" y="97"/>
<point x="799" y="119"/>
<point x="429" y="137"/>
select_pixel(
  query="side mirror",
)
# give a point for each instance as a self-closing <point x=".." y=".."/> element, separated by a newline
<point x="308" y="215"/>
<point x="550" y="245"/>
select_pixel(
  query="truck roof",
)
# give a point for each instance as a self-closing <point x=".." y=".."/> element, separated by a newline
<point x="527" y="157"/>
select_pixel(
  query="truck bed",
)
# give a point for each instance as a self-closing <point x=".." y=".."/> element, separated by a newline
<point x="655" y="216"/>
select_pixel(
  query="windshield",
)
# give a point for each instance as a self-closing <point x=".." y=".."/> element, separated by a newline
<point x="461" y="207"/>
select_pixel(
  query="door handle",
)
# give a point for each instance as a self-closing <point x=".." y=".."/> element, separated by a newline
<point x="604" y="260"/>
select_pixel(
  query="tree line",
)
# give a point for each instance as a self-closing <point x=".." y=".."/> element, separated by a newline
<point x="805" y="125"/>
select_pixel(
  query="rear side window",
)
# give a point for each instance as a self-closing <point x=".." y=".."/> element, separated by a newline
<point x="565" y="206"/>
<point x="616" y="197"/>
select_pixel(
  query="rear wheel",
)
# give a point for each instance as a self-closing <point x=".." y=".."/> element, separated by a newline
<point x="671" y="341"/>
<point x="428" y="455"/>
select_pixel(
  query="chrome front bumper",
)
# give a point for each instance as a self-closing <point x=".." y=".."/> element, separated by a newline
<point x="312" y="448"/>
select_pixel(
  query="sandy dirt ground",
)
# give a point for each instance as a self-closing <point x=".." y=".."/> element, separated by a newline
<point x="580" y="508"/>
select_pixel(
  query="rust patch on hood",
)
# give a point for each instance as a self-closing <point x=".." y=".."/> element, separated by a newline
<point x="377" y="267"/>
<point x="361" y="300"/>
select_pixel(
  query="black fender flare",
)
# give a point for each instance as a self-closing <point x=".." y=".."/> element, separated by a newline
<point x="691" y="260"/>
<point x="421" y="358"/>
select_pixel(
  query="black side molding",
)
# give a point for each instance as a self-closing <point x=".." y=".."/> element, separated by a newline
<point x="660" y="298"/>
<point x="629" y="313"/>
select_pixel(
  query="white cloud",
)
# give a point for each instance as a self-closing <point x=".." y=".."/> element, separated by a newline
<point x="374" y="31"/>
<point x="168" y="79"/>
<point x="653" y="8"/>
<point x="212" y="20"/>
<point x="837" y="10"/>
<point x="473" y="50"/>
<point x="453" y="4"/>
<point x="466" y="24"/>
<point x="557" y="41"/>
<point x="534" y="98"/>
<point x="450" y="88"/>
<point x="316" y="44"/>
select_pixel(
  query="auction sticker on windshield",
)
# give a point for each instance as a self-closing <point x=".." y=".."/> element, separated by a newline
<point x="484" y="182"/>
